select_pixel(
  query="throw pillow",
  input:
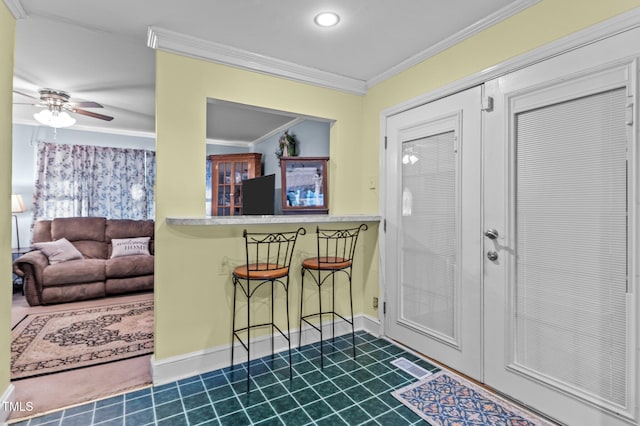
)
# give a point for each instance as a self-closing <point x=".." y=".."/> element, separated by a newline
<point x="59" y="251"/>
<point x="129" y="246"/>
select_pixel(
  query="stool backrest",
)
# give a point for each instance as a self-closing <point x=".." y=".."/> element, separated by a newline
<point x="335" y="246"/>
<point x="267" y="251"/>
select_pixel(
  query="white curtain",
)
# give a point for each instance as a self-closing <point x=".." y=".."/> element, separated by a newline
<point x="82" y="180"/>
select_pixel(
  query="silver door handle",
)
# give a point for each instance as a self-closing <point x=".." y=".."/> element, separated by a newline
<point x="492" y="255"/>
<point x="491" y="233"/>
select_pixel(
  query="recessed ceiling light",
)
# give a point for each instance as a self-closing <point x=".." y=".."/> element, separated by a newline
<point x="326" y="19"/>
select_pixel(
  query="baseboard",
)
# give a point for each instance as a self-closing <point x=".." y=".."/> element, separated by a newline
<point x="369" y="324"/>
<point x="6" y="400"/>
<point x="199" y="362"/>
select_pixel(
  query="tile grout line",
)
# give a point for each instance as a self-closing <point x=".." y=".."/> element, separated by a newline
<point x="377" y="353"/>
<point x="206" y="391"/>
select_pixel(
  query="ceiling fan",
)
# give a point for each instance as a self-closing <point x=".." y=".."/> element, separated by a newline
<point x="56" y="104"/>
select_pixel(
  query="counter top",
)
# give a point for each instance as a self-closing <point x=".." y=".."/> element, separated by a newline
<point x="268" y="219"/>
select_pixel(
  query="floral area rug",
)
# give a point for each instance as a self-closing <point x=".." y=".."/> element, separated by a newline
<point x="445" y="398"/>
<point x="51" y="342"/>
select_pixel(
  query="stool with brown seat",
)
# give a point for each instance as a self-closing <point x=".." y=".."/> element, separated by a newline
<point x="268" y="258"/>
<point x="335" y="251"/>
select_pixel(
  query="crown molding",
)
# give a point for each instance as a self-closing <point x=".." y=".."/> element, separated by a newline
<point x="171" y="41"/>
<point x="174" y="42"/>
<point x="278" y="130"/>
<point x="502" y="14"/>
<point x="94" y="129"/>
<point x="253" y="143"/>
<point x="605" y="29"/>
<point x="16" y="9"/>
<point x="224" y="142"/>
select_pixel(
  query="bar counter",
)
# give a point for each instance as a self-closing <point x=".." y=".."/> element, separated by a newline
<point x="268" y="219"/>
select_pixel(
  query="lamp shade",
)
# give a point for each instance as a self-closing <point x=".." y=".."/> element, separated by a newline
<point x="17" y="204"/>
<point x="55" y="118"/>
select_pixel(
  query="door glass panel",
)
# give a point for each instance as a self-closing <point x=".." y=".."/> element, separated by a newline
<point x="571" y="226"/>
<point x="429" y="248"/>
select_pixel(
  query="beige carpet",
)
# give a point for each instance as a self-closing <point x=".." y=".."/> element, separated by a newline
<point x="69" y="388"/>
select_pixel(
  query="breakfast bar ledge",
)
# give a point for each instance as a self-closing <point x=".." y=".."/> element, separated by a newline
<point x="269" y="219"/>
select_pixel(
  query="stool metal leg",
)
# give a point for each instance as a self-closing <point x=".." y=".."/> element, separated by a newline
<point x="233" y="325"/>
<point x="272" y="325"/>
<point x="320" y="318"/>
<point x="286" y="290"/>
<point x="333" y="308"/>
<point x="301" y="314"/>
<point x="353" y="333"/>
<point x="248" y="336"/>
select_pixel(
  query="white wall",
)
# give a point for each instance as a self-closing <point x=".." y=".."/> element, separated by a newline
<point x="25" y="140"/>
<point x="313" y="141"/>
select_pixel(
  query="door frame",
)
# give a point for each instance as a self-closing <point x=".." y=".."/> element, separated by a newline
<point x="623" y="23"/>
<point x="618" y="24"/>
<point x="460" y="114"/>
<point x="540" y="85"/>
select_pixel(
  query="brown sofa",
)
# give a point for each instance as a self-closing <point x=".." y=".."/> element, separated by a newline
<point x="96" y="274"/>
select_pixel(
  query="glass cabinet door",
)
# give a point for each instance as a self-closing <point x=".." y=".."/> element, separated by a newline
<point x="224" y="189"/>
<point x="228" y="172"/>
<point x="304" y="185"/>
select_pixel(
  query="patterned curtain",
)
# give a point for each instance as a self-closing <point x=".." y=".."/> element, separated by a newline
<point x="81" y="180"/>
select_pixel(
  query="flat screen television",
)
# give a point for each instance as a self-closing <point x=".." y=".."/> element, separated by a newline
<point x="258" y="195"/>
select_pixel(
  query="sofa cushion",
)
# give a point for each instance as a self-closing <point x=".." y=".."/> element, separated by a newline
<point x="74" y="271"/>
<point x="72" y="293"/>
<point x="58" y="251"/>
<point x="42" y="231"/>
<point x="92" y="249"/>
<point x="126" y="228"/>
<point x="86" y="233"/>
<point x="128" y="284"/>
<point x="129" y="246"/>
<point x="129" y="266"/>
<point x="79" y="228"/>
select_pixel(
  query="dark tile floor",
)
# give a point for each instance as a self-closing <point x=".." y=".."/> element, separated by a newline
<point x="345" y="392"/>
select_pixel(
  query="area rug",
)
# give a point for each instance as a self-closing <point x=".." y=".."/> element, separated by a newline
<point x="445" y="398"/>
<point x="51" y="342"/>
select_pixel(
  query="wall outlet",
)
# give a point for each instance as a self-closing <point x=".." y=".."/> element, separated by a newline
<point x="375" y="302"/>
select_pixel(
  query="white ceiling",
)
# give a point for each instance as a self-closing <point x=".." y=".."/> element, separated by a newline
<point x="98" y="50"/>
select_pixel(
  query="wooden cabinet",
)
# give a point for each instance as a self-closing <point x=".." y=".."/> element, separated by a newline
<point x="227" y="173"/>
<point x="304" y="185"/>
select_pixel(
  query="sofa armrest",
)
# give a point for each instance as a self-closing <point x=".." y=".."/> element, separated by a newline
<point x="30" y="266"/>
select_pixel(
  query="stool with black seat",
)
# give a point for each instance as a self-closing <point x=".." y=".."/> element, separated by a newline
<point x="335" y="251"/>
<point x="268" y="258"/>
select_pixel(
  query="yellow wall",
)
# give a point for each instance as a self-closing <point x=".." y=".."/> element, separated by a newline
<point x="193" y="296"/>
<point x="193" y="291"/>
<point x="541" y="24"/>
<point x="7" y="37"/>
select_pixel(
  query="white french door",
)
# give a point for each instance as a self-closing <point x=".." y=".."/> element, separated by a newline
<point x="511" y="245"/>
<point x="560" y="304"/>
<point x="433" y="230"/>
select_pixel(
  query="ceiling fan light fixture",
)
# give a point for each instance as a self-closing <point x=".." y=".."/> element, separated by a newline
<point x="326" y="19"/>
<point x="55" y="119"/>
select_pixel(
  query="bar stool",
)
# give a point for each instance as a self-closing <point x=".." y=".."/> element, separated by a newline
<point x="335" y="250"/>
<point x="268" y="257"/>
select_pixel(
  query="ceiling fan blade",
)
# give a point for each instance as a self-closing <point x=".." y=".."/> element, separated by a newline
<point x="91" y="114"/>
<point x="26" y="95"/>
<point x="87" y="104"/>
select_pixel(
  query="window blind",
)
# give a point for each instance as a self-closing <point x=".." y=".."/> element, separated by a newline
<point x="430" y="233"/>
<point x="571" y="230"/>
